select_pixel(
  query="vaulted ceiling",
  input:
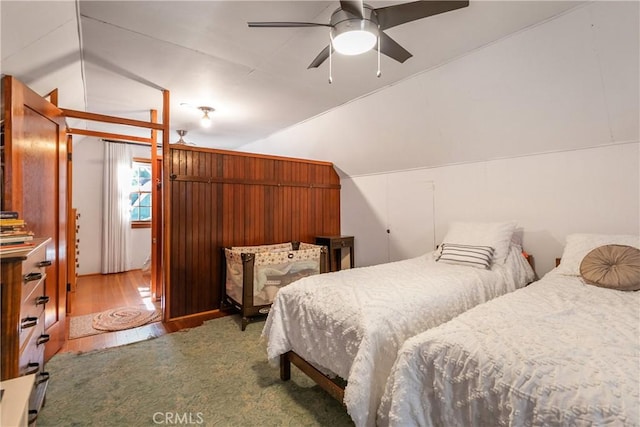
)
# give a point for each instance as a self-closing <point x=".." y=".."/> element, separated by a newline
<point x="114" y="57"/>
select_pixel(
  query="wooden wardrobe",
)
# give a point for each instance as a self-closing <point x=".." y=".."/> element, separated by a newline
<point x="216" y="198"/>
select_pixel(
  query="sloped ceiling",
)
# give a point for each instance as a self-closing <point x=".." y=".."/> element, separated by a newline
<point x="39" y="46"/>
<point x="113" y="58"/>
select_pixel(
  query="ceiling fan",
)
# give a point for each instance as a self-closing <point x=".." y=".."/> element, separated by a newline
<point x="181" y="141"/>
<point x="356" y="27"/>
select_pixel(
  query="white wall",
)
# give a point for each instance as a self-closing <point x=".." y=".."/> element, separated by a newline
<point x="391" y="213"/>
<point x="541" y="127"/>
<point x="592" y="190"/>
<point x="88" y="158"/>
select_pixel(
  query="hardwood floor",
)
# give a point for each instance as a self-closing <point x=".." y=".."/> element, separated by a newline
<point x="101" y="292"/>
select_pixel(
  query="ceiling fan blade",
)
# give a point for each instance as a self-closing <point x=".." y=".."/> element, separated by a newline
<point x="285" y="24"/>
<point x="391" y="16"/>
<point x="392" y="49"/>
<point x="353" y="7"/>
<point x="322" y="56"/>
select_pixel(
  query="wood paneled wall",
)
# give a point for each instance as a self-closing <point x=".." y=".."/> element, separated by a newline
<point x="223" y="198"/>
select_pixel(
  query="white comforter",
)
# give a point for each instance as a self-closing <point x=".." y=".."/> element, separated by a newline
<point x="351" y="323"/>
<point x="557" y="353"/>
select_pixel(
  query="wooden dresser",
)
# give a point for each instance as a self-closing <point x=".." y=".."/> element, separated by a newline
<point x="23" y="338"/>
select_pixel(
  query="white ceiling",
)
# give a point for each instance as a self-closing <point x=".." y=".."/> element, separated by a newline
<point x="204" y="54"/>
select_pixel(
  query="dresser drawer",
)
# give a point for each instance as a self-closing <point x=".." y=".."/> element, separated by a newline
<point x="32" y="362"/>
<point x="335" y="242"/>
<point x="36" y="261"/>
<point x="29" y="286"/>
<point x="31" y="311"/>
<point x="34" y="301"/>
<point x="32" y="352"/>
<point x="34" y="270"/>
<point x="343" y="242"/>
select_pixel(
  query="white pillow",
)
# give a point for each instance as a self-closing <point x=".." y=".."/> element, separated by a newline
<point x="494" y="234"/>
<point x="578" y="245"/>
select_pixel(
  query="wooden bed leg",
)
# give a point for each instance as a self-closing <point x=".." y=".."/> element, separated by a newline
<point x="285" y="367"/>
<point x="245" y="322"/>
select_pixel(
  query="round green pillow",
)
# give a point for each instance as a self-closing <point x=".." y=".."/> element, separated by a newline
<point x="612" y="266"/>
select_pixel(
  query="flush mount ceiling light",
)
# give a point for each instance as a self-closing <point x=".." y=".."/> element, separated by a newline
<point x="205" y="121"/>
<point x="356" y="27"/>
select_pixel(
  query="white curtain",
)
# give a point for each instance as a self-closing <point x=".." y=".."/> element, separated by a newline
<point x="116" y="221"/>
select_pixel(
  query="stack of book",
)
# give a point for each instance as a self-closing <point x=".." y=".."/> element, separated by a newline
<point x="14" y="236"/>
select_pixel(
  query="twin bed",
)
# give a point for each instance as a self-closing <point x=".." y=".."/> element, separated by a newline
<point x="565" y="351"/>
<point x="402" y="344"/>
<point x="350" y="324"/>
<point x="557" y="353"/>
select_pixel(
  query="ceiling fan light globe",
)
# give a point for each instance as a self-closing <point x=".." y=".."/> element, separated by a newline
<point x="354" y="42"/>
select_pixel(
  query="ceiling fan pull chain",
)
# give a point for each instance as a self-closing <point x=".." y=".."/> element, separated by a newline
<point x="330" y="62"/>
<point x="379" y="73"/>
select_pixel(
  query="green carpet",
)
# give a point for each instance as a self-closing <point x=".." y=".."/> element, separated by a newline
<point x="212" y="375"/>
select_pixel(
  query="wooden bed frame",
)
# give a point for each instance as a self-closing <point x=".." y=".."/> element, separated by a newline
<point x="331" y="386"/>
<point x="334" y="389"/>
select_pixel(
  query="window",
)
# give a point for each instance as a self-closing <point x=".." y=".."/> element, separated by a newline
<point x="140" y="197"/>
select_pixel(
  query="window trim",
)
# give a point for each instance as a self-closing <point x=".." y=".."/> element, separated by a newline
<point x="141" y="224"/>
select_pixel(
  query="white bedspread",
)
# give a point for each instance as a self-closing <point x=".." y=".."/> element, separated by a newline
<point x="351" y="323"/>
<point x="557" y="353"/>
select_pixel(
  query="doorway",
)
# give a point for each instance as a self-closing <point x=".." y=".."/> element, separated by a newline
<point x="137" y="286"/>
